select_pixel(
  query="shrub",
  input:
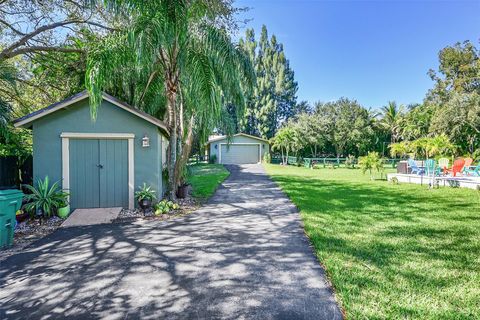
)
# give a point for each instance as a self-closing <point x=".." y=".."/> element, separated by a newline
<point x="45" y="198"/>
<point x="372" y="161"/>
<point x="165" y="206"/>
<point x="267" y="158"/>
<point x="212" y="159"/>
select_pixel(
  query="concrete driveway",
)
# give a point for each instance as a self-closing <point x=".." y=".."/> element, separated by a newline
<point x="242" y="256"/>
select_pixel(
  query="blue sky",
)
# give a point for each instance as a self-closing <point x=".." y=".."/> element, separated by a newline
<point x="373" y="51"/>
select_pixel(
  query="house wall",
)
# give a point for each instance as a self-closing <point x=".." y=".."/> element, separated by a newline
<point x="238" y="139"/>
<point x="47" y="144"/>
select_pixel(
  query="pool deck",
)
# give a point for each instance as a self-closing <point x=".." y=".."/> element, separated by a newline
<point x="442" y="181"/>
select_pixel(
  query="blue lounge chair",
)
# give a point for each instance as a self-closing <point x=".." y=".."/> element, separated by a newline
<point x="472" y="172"/>
<point x="414" y="168"/>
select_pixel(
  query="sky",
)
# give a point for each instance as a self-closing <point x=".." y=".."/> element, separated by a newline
<point x="371" y="51"/>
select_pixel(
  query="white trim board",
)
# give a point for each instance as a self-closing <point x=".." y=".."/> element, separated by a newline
<point x="88" y="135"/>
<point x="236" y="135"/>
<point x="240" y="143"/>
<point x="66" y="136"/>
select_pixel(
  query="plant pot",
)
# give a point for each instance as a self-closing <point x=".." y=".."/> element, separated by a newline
<point x="22" y="217"/>
<point x="39" y="213"/>
<point x="145" y="204"/>
<point x="182" y="191"/>
<point x="63" y="212"/>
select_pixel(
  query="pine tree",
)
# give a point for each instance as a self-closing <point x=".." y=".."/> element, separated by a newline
<point x="273" y="100"/>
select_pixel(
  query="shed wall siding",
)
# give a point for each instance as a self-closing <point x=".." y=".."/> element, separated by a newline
<point x="47" y="145"/>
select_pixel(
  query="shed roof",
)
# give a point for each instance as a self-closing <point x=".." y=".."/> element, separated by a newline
<point x="25" y="121"/>
<point x="236" y="135"/>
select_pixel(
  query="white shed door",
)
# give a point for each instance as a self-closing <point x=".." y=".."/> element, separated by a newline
<point x="240" y="153"/>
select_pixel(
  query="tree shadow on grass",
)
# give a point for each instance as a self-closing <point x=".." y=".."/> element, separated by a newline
<point x="414" y="238"/>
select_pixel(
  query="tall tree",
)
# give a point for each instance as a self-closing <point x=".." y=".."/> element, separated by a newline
<point x="38" y="26"/>
<point x="273" y="100"/>
<point x="347" y="125"/>
<point x="459" y="119"/>
<point x="177" y="57"/>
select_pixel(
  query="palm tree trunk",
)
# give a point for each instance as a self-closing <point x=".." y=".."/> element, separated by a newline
<point x="172" y="158"/>
<point x="183" y="158"/>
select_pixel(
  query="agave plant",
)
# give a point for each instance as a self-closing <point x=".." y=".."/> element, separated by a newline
<point x="145" y="193"/>
<point x="45" y="198"/>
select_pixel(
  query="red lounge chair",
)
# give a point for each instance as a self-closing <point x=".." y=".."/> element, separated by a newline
<point x="457" y="167"/>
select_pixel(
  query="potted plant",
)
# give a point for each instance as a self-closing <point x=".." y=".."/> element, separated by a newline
<point x="145" y="197"/>
<point x="64" y="210"/>
<point x="21" y="216"/>
<point x="44" y="199"/>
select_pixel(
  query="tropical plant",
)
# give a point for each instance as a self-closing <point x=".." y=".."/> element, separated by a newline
<point x="145" y="193"/>
<point x="372" y="161"/>
<point x="284" y="141"/>
<point x="432" y="146"/>
<point x="45" y="198"/>
<point x="179" y="63"/>
<point x="400" y="149"/>
<point x="391" y="120"/>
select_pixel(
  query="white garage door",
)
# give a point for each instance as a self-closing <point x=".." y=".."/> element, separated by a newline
<point x="240" y="153"/>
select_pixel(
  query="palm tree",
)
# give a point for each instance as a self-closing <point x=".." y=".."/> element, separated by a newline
<point x="391" y="120"/>
<point x="177" y="64"/>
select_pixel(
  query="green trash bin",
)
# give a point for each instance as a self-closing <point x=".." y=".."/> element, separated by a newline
<point x="10" y="203"/>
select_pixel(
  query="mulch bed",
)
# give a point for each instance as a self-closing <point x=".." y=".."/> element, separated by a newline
<point x="26" y="232"/>
<point x="187" y="206"/>
<point x="29" y="231"/>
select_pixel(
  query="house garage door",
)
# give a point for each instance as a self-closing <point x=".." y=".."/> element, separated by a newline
<point x="98" y="173"/>
<point x="240" y="153"/>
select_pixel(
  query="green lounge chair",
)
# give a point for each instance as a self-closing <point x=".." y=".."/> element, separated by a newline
<point x="442" y="165"/>
<point x="430" y="169"/>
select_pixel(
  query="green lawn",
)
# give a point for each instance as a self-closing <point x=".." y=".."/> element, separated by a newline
<point x="391" y="251"/>
<point x="205" y="179"/>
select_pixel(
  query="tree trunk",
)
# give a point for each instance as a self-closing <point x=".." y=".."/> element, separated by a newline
<point x="172" y="158"/>
<point x="183" y="158"/>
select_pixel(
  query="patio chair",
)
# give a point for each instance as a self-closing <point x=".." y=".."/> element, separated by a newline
<point x="430" y="167"/>
<point x="442" y="165"/>
<point x="472" y="172"/>
<point x="466" y="166"/>
<point x="457" y="167"/>
<point x="414" y="168"/>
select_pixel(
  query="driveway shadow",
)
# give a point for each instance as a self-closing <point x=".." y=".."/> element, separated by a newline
<point x="243" y="255"/>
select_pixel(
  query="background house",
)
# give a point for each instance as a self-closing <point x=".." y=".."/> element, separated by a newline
<point x="240" y="149"/>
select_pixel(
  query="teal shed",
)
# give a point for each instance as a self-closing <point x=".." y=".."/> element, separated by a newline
<point x="99" y="162"/>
